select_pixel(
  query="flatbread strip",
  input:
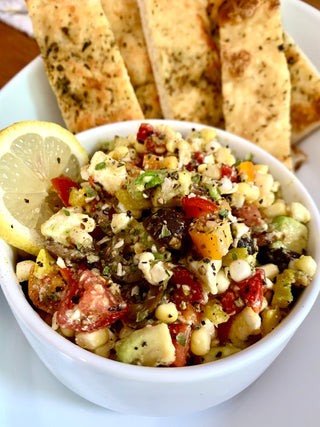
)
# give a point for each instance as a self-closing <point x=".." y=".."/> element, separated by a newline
<point x="305" y="91"/>
<point x="255" y="76"/>
<point x="124" y="18"/>
<point x="184" y="59"/>
<point x="83" y="63"/>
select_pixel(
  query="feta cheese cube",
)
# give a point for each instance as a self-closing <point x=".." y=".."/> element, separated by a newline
<point x="105" y="170"/>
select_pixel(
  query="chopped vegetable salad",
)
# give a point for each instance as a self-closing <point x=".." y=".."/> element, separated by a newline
<point x="169" y="252"/>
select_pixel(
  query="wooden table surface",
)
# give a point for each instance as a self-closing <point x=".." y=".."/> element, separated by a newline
<point x="17" y="49"/>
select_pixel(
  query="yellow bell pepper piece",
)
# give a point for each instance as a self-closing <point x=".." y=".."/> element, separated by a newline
<point x="44" y="264"/>
<point x="213" y="242"/>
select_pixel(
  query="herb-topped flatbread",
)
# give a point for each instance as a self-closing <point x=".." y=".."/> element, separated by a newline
<point x="184" y="58"/>
<point x="305" y="91"/>
<point x="255" y="76"/>
<point x="124" y="18"/>
<point x="83" y="63"/>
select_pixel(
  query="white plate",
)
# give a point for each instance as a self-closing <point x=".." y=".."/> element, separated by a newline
<point x="288" y="392"/>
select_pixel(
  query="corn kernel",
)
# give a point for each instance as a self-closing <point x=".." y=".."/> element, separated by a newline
<point x="92" y="340"/>
<point x="224" y="155"/>
<point x="299" y="212"/>
<point x="200" y="342"/>
<point x="271" y="270"/>
<point x="276" y="209"/>
<point x="306" y="264"/>
<point x="69" y="333"/>
<point x="170" y="162"/>
<point x="239" y="270"/>
<point x="167" y="312"/>
<point x="251" y="193"/>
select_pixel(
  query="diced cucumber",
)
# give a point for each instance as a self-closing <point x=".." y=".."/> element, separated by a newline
<point x="294" y="234"/>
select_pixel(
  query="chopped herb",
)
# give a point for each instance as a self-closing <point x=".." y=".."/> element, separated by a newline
<point x="106" y="270"/>
<point x="85" y="45"/>
<point x="141" y="315"/>
<point x="223" y="213"/>
<point x="165" y="232"/>
<point x="133" y="268"/>
<point x="181" y="339"/>
<point x="66" y="212"/>
<point x="249" y="156"/>
<point x="51" y="296"/>
<point x="214" y="192"/>
<point x="196" y="179"/>
<point x="90" y="192"/>
<point x="101" y="165"/>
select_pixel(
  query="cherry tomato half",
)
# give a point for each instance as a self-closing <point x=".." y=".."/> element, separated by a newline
<point x="195" y="207"/>
<point x="187" y="288"/>
<point x="180" y="334"/>
<point x="89" y="303"/>
<point x="62" y="186"/>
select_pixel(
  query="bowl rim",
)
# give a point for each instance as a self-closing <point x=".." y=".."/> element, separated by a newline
<point x="26" y="315"/>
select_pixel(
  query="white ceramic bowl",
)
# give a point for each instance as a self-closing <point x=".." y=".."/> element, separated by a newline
<point x="162" y="391"/>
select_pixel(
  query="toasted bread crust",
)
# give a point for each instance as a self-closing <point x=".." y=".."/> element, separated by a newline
<point x="83" y="63"/>
<point x="305" y="91"/>
<point x="124" y="18"/>
<point x="184" y="58"/>
<point x="255" y="76"/>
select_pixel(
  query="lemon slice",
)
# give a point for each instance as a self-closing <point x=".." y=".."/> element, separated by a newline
<point x="31" y="154"/>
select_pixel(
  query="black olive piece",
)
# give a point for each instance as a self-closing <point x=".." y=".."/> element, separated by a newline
<point x="249" y="244"/>
<point x="168" y="227"/>
<point x="280" y="256"/>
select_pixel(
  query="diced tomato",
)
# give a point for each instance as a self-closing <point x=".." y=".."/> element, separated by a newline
<point x="150" y="136"/>
<point x="62" y="186"/>
<point x="196" y="160"/>
<point x="249" y="291"/>
<point x="180" y="334"/>
<point x="88" y="303"/>
<point x="250" y="214"/>
<point x="252" y="290"/>
<point x="195" y="207"/>
<point x="229" y="172"/>
<point x="228" y="302"/>
<point x="187" y="287"/>
<point x="145" y="130"/>
<point x="223" y="330"/>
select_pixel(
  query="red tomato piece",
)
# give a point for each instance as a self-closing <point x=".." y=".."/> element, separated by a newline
<point x="223" y="330"/>
<point x="197" y="159"/>
<point x="251" y="215"/>
<point x="88" y="303"/>
<point x="230" y="172"/>
<point x="145" y="130"/>
<point x="187" y="287"/>
<point x="195" y="207"/>
<point x="62" y="186"/>
<point x="252" y="290"/>
<point x="228" y="302"/>
<point x="180" y="334"/>
<point x="150" y="136"/>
